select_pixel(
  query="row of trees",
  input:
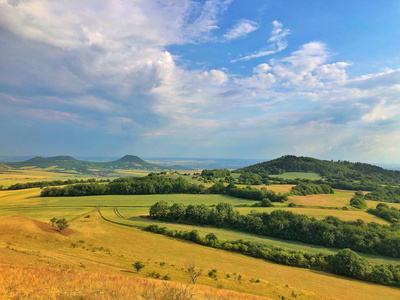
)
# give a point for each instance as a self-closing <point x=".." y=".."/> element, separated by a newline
<point x="151" y="184"/>
<point x="154" y="184"/>
<point x="346" y="262"/>
<point x="385" y="194"/>
<point x="41" y="184"/>
<point x="371" y="238"/>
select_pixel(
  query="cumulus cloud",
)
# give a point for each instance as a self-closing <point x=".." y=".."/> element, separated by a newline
<point x="109" y="70"/>
<point x="277" y="43"/>
<point x="241" y="29"/>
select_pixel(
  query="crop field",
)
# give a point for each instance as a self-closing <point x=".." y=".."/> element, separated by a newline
<point x="135" y="217"/>
<point x="137" y="173"/>
<point x="104" y="249"/>
<point x="294" y="175"/>
<point x="340" y="198"/>
<point x="10" y="177"/>
<point x="346" y="215"/>
<point x="278" y="188"/>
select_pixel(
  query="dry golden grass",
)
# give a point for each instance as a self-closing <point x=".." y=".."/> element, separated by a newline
<point x="14" y="176"/>
<point x="18" y="282"/>
<point x="339" y="199"/>
<point x="24" y="243"/>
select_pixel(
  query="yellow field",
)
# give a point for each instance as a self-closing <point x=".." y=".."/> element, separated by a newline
<point x="48" y="283"/>
<point x="102" y="247"/>
<point x="278" y="188"/>
<point x="339" y="199"/>
<point x="320" y="213"/>
<point x="11" y="177"/>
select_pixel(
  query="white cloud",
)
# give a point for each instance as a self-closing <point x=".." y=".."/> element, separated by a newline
<point x="277" y="43"/>
<point x="241" y="29"/>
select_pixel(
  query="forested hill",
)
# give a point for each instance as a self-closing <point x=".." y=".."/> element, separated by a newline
<point x="68" y="163"/>
<point x="330" y="169"/>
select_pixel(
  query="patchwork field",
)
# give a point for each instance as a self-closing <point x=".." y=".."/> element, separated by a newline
<point x="106" y="250"/>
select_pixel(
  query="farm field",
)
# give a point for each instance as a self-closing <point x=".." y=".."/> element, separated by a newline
<point x="104" y="248"/>
<point x="27" y="202"/>
<point x="10" y="177"/>
<point x="340" y="198"/>
<point x="132" y="218"/>
<point x="346" y="215"/>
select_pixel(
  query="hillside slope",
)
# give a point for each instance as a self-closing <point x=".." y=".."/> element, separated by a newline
<point x="68" y="163"/>
<point x="335" y="169"/>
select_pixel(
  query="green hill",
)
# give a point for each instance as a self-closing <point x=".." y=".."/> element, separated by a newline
<point x="68" y="163"/>
<point x="330" y="169"/>
<point x="4" y="167"/>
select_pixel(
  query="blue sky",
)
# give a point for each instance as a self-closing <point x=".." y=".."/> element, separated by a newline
<point x="180" y="78"/>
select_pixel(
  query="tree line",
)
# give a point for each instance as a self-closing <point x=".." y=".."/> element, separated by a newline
<point x="42" y="184"/>
<point x="383" y="211"/>
<point x="151" y="184"/>
<point x="371" y="238"/>
<point x="154" y="184"/>
<point x="345" y="262"/>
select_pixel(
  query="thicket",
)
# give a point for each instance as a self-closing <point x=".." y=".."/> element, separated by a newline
<point x="384" y="194"/>
<point x="304" y="189"/>
<point x="41" y="184"/>
<point x="346" y="262"/>
<point x="383" y="211"/>
<point x="371" y="238"/>
<point x="216" y="173"/>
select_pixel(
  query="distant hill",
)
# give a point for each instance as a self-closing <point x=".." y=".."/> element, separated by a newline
<point x="4" y="167"/>
<point x="68" y="163"/>
<point x="336" y="169"/>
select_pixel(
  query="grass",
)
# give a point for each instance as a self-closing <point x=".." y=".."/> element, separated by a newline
<point x="102" y="258"/>
<point x="340" y="198"/>
<point x="28" y="203"/>
<point x="134" y="216"/>
<point x="346" y="215"/>
<point x="111" y="249"/>
<point x="14" y="176"/>
<point x="135" y="200"/>
<point x="48" y="283"/>
<point x="294" y="175"/>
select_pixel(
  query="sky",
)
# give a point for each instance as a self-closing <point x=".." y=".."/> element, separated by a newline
<point x="215" y="78"/>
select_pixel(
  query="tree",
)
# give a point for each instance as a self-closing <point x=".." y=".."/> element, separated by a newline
<point x="193" y="272"/>
<point x="159" y="209"/>
<point x="53" y="221"/>
<point x="62" y="223"/>
<point x="358" y="202"/>
<point x="211" y="239"/>
<point x="347" y="262"/>
<point x="138" y="265"/>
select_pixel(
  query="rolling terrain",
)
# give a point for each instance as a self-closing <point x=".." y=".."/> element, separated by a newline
<point x="69" y="164"/>
<point x="94" y="256"/>
<point x="340" y="169"/>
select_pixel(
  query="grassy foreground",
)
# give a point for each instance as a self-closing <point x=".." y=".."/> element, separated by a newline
<point x="49" y="283"/>
<point x="106" y="250"/>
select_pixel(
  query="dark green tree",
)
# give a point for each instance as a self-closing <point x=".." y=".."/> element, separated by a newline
<point x="138" y="265"/>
